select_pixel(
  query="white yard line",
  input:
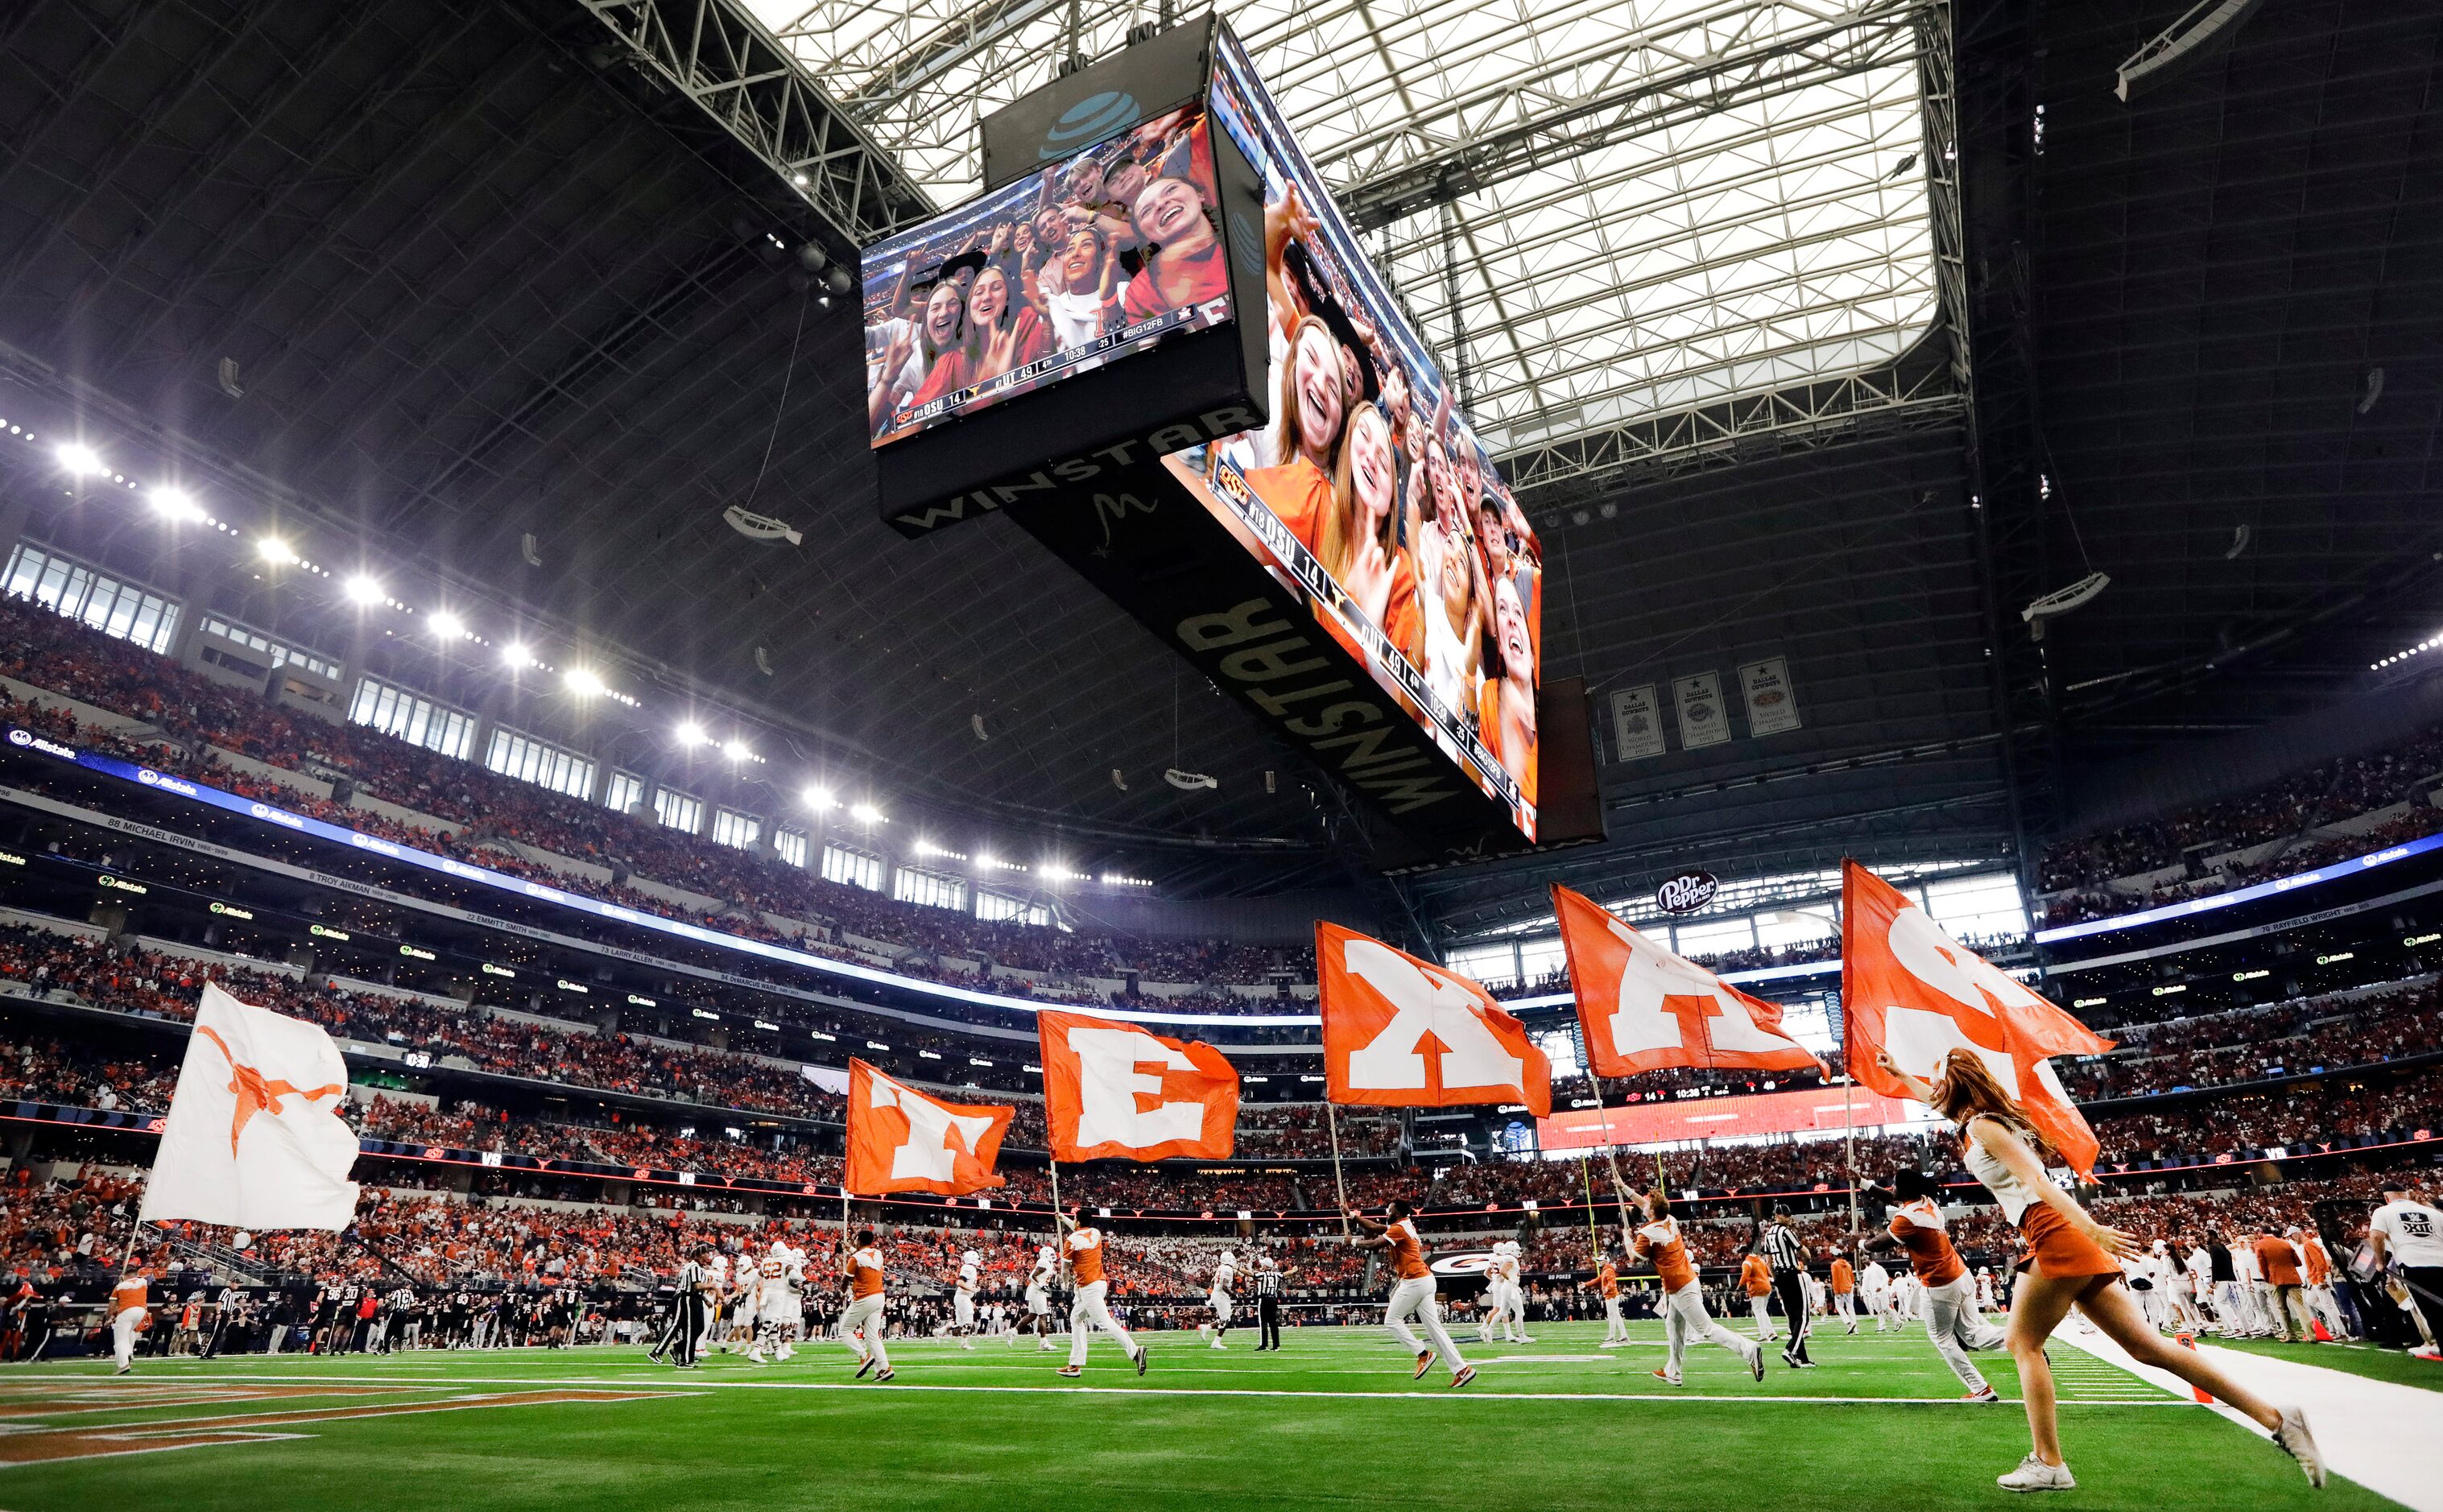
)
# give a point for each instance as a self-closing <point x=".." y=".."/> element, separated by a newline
<point x="2379" y="1433"/>
<point x="1438" y="1392"/>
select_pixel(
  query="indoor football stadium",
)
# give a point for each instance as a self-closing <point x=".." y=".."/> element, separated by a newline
<point x="1496" y="754"/>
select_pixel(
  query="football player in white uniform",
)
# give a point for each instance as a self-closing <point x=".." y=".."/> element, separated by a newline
<point x="717" y="1272"/>
<point x="963" y="1300"/>
<point x="1039" y="1298"/>
<point x="1224" y="1272"/>
<point x="780" y="1301"/>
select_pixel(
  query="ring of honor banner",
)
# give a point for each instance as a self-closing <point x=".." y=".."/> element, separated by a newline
<point x="900" y="1139"/>
<point x="1909" y="989"/>
<point x="1115" y="1091"/>
<point x="1643" y="1009"/>
<point x="1405" y="1033"/>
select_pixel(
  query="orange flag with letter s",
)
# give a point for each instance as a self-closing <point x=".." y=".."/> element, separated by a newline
<point x="1403" y="1032"/>
<point x="1908" y="988"/>
<point x="1642" y="1008"/>
<point x="900" y="1139"/>
<point x="1112" y="1090"/>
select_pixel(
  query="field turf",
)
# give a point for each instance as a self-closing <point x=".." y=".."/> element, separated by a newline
<point x="1332" y="1421"/>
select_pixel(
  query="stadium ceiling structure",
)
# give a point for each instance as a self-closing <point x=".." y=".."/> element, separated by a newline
<point x="1600" y="211"/>
<point x="1806" y="333"/>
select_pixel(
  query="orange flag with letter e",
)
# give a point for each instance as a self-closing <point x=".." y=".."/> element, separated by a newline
<point x="1643" y="1007"/>
<point x="1909" y="988"/>
<point x="1115" y="1091"/>
<point x="1402" y="1032"/>
<point x="899" y="1140"/>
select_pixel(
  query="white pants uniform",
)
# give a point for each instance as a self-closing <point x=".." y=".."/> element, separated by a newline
<point x="1615" y="1326"/>
<point x="1955" y="1328"/>
<point x="866" y="1313"/>
<point x="2321" y="1307"/>
<point x="122" y="1335"/>
<point x="2231" y="1307"/>
<point x="1414" y="1298"/>
<point x="962" y="1308"/>
<point x="1039" y="1302"/>
<point x="1685" y="1317"/>
<point x="1088" y="1311"/>
<point x="1220" y="1302"/>
<point x="1760" y="1307"/>
<point x="1845" y="1305"/>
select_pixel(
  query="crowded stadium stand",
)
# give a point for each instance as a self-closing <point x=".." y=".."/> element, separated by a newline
<point x="723" y="694"/>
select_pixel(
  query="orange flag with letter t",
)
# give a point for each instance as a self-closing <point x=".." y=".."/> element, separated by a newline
<point x="1115" y="1091"/>
<point x="1406" y="1034"/>
<point x="1909" y="988"/>
<point x="1643" y="1009"/>
<point x="900" y="1139"/>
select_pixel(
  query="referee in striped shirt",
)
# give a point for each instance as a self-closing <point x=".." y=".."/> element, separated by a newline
<point x="1268" y="1305"/>
<point x="691" y="1310"/>
<point x="1787" y="1254"/>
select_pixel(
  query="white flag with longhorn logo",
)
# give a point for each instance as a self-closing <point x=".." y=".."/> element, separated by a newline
<point x="254" y="1138"/>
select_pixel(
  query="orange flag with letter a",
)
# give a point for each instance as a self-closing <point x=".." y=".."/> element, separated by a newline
<point x="1909" y="988"/>
<point x="1406" y="1034"/>
<point x="1643" y="1007"/>
<point x="900" y="1139"/>
<point x="1115" y="1091"/>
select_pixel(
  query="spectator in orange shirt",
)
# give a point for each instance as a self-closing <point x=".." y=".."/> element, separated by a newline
<point x="2279" y="1264"/>
<point x="1757" y="1277"/>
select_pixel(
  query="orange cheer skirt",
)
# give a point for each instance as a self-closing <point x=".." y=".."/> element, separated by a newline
<point x="2056" y="1249"/>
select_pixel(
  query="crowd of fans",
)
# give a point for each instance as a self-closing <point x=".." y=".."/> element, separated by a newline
<point x="2289" y="808"/>
<point x="495" y="821"/>
<point x="2251" y="1044"/>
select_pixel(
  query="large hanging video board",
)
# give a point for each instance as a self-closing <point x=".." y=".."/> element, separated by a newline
<point x="1154" y="341"/>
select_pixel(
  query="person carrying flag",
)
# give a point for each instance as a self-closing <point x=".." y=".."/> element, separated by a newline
<point x="1090" y="1305"/>
<point x="862" y="1325"/>
<point x="1412" y="1291"/>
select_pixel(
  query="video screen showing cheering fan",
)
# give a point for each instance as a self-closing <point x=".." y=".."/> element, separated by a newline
<point x="1099" y="256"/>
<point x="1368" y="490"/>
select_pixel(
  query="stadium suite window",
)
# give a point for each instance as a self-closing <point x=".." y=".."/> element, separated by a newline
<point x="737" y="831"/>
<point x="1714" y="937"/>
<point x="1539" y="959"/>
<point x="676" y="811"/>
<point x="73" y="590"/>
<point x="274" y="652"/>
<point x="999" y="908"/>
<point x="930" y="888"/>
<point x="418" y="721"/>
<point x="790" y="846"/>
<point x="545" y="765"/>
<point x="1986" y="905"/>
<point x="1490" y="965"/>
<point x="623" y="792"/>
<point x="851" y="868"/>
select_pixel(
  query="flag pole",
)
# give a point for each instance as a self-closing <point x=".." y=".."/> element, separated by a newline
<point x="1055" y="1196"/>
<point x="1612" y="1155"/>
<point x="1850" y="1145"/>
<point x="1587" y="1179"/>
<point x="1339" y="1183"/>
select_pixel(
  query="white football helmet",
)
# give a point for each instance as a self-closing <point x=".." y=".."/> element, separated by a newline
<point x="972" y="1258"/>
<point x="1226" y="1260"/>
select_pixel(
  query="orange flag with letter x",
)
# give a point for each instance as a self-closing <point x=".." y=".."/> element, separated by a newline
<point x="1643" y="1007"/>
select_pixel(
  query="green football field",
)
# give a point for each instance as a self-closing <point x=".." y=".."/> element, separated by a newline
<point x="1332" y="1421"/>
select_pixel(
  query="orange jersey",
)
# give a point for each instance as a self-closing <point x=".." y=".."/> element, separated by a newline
<point x="2278" y="1262"/>
<point x="865" y="1271"/>
<point x="1845" y="1280"/>
<point x="1086" y="1255"/>
<point x="1918" y="1228"/>
<point x="2320" y="1266"/>
<point x="1757" y="1276"/>
<point x="1659" y="1245"/>
<point x="128" y="1293"/>
<point x="1408" y="1250"/>
<point x="1608" y="1282"/>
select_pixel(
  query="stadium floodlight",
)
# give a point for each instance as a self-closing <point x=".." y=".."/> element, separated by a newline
<point x="517" y="656"/>
<point x="691" y="734"/>
<point x="584" y="683"/>
<point x="737" y="750"/>
<point x="174" y="507"/>
<point x="364" y="589"/>
<point x="448" y="627"/>
<point x="819" y="798"/>
<point x="79" y="460"/>
<point x="866" y="813"/>
<point x="272" y="549"/>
